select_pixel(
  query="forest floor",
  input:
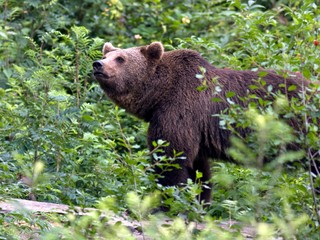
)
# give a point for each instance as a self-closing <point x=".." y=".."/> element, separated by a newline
<point x="40" y="208"/>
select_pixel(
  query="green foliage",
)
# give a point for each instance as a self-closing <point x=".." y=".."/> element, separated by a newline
<point x="62" y="141"/>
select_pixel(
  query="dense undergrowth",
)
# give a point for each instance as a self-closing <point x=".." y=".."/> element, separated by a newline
<point x="63" y="141"/>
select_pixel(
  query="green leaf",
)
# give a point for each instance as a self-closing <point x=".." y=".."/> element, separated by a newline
<point x="230" y="94"/>
<point x="202" y="88"/>
<point x="216" y="99"/>
<point x="199" y="175"/>
<point x="292" y="88"/>
<point x="154" y="143"/>
<point x="262" y="74"/>
<point x="306" y="73"/>
<point x="253" y="87"/>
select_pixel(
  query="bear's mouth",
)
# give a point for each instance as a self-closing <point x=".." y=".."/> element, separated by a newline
<point x="100" y="75"/>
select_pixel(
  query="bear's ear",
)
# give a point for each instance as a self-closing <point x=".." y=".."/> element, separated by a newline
<point x="154" y="51"/>
<point x="108" y="47"/>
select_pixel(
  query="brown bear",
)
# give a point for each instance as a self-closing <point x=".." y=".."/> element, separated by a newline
<point x="161" y="88"/>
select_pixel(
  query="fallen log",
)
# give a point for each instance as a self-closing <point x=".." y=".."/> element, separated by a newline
<point x="13" y="205"/>
<point x="45" y="207"/>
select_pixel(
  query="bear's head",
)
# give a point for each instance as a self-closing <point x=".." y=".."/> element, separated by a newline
<point x="128" y="76"/>
<point x="122" y="71"/>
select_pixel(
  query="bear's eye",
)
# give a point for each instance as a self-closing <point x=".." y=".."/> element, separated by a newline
<point x="120" y="59"/>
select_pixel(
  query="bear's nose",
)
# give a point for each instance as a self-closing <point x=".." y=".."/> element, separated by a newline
<point x="97" y="65"/>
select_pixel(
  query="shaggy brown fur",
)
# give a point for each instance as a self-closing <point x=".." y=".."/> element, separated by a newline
<point x="161" y="88"/>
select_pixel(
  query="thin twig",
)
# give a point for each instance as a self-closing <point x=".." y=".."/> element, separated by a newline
<point x="77" y="75"/>
<point x="313" y="192"/>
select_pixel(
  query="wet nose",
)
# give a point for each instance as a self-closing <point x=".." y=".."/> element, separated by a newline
<point x="97" y="65"/>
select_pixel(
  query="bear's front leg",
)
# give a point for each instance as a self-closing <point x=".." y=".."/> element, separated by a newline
<point x="187" y="141"/>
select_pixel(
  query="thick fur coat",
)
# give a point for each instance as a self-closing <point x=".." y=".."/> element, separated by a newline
<point x="161" y="88"/>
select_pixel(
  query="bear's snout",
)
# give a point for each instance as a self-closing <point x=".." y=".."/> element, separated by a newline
<point x="97" y="66"/>
<point x="98" y="71"/>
